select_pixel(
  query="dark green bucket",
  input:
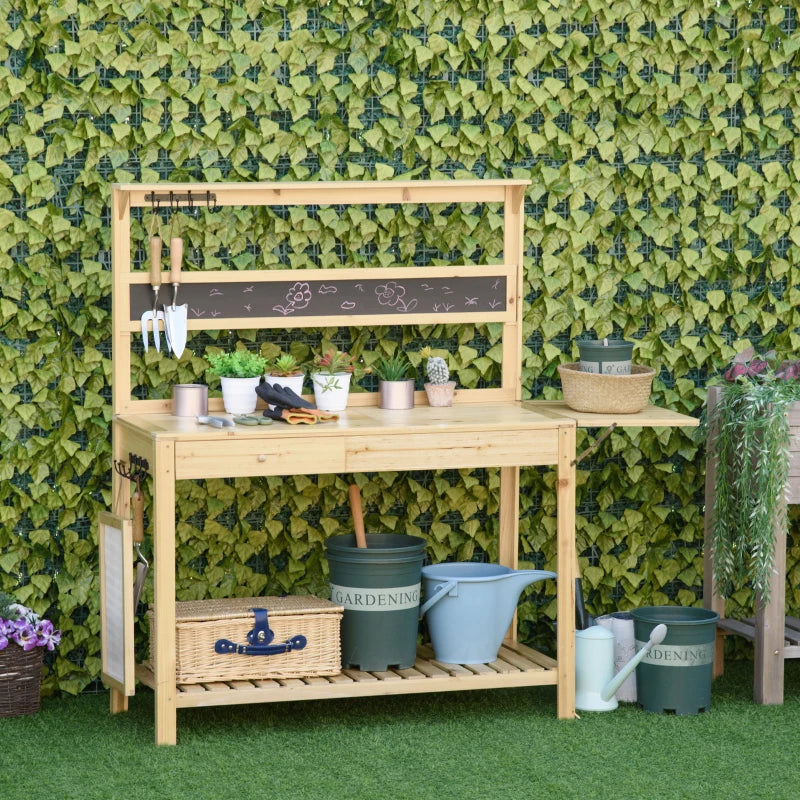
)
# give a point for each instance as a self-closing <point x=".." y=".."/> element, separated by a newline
<point x="379" y="587"/>
<point x="675" y="676"/>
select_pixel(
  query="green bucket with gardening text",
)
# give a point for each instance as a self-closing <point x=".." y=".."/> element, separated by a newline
<point x="379" y="588"/>
<point x="675" y="676"/>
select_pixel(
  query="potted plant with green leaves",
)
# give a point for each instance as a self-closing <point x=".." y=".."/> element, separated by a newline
<point x="331" y="372"/>
<point x="439" y="388"/>
<point x="286" y="370"/>
<point x="395" y="381"/>
<point x="240" y="372"/>
<point x="748" y="437"/>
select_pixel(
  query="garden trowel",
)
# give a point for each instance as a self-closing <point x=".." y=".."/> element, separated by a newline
<point x="175" y="316"/>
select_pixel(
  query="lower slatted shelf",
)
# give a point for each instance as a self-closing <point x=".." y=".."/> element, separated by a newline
<point x="516" y="665"/>
<point x="747" y="628"/>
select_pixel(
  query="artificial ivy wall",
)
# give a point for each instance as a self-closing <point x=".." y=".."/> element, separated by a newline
<point x="662" y="142"/>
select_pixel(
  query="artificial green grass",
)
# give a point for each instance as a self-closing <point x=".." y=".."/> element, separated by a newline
<point x="459" y="746"/>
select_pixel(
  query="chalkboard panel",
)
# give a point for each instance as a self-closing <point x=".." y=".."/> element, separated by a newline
<point x="331" y="297"/>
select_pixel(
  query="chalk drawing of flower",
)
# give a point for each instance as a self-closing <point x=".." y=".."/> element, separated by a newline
<point x="299" y="295"/>
<point x="389" y="293"/>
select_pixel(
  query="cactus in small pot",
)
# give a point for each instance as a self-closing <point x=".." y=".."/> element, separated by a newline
<point x="439" y="388"/>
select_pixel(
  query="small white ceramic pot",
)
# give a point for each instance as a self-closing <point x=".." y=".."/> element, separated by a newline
<point x="330" y="391"/>
<point x="239" y="394"/>
<point x="293" y="382"/>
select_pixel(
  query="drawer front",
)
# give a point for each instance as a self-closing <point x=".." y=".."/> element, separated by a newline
<point x="251" y="457"/>
<point x="451" y="450"/>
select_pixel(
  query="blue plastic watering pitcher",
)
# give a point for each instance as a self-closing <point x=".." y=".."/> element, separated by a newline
<point x="469" y="607"/>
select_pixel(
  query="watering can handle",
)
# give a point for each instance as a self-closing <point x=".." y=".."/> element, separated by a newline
<point x="441" y="591"/>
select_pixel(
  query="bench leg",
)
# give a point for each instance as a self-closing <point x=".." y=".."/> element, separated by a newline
<point x="768" y="666"/>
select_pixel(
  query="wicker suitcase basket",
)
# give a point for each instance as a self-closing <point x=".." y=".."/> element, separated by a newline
<point x="606" y="394"/>
<point x="200" y="624"/>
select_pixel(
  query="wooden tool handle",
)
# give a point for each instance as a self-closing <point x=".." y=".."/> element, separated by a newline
<point x="175" y="258"/>
<point x="156" y="244"/>
<point x="358" y="515"/>
<point x="137" y="503"/>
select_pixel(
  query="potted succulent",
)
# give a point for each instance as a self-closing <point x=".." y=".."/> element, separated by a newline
<point x="240" y="372"/>
<point x="23" y="639"/>
<point x="439" y="388"/>
<point x="395" y="381"/>
<point x="287" y="371"/>
<point x="748" y="436"/>
<point x="331" y="372"/>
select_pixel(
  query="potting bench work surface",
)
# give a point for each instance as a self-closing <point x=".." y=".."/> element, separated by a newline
<point x="484" y="428"/>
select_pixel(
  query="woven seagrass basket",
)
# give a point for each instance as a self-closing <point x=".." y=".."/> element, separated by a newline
<point x="200" y="623"/>
<point x="20" y="680"/>
<point x="606" y="394"/>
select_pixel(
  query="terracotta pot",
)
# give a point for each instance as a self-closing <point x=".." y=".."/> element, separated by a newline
<point x="440" y="394"/>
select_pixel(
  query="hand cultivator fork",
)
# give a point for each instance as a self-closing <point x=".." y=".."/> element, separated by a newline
<point x="155" y="315"/>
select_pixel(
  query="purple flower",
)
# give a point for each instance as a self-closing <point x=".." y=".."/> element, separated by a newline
<point x="46" y="635"/>
<point x="24" y="634"/>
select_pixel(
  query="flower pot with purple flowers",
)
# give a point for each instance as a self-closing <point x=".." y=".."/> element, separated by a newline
<point x="23" y="638"/>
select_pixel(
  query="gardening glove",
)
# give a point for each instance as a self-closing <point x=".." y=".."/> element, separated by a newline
<point x="281" y="396"/>
<point x="292" y="416"/>
<point x="295" y="416"/>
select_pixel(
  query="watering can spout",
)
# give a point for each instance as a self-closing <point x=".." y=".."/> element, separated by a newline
<point x="520" y="578"/>
<point x="656" y="637"/>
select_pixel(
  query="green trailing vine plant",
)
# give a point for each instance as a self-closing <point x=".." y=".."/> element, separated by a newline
<point x="749" y="438"/>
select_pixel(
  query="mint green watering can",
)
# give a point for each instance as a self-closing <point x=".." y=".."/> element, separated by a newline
<point x="469" y="607"/>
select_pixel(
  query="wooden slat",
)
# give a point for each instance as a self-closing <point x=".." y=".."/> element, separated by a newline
<point x="241" y="684"/>
<point x="388" y="675"/>
<point x="352" y="320"/>
<point x="428" y="669"/>
<point x="532" y="655"/>
<point x="339" y="679"/>
<point x="217" y="686"/>
<point x="480" y="669"/>
<point x="410" y="674"/>
<point x="359" y="675"/>
<point x="222" y="276"/>
<point x="516" y="660"/>
<point x="329" y="193"/>
<point x="291" y="682"/>
<point x="191" y="688"/>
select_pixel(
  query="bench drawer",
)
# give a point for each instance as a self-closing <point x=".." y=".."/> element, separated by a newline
<point x="451" y="450"/>
<point x="271" y="455"/>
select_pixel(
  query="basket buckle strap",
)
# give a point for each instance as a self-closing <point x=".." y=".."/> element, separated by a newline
<point x="260" y="639"/>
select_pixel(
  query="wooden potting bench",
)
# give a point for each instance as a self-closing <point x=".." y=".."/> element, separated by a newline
<point x="484" y="428"/>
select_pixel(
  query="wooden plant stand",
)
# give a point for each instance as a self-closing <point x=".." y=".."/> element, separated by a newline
<point x="484" y="428"/>
<point x="775" y="636"/>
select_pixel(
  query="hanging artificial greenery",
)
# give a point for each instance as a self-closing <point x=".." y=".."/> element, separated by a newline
<point x="749" y="438"/>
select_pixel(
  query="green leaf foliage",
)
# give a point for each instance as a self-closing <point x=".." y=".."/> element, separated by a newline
<point x="662" y="144"/>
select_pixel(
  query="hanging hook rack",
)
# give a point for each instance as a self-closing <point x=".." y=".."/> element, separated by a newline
<point x="176" y="198"/>
<point x="135" y="469"/>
